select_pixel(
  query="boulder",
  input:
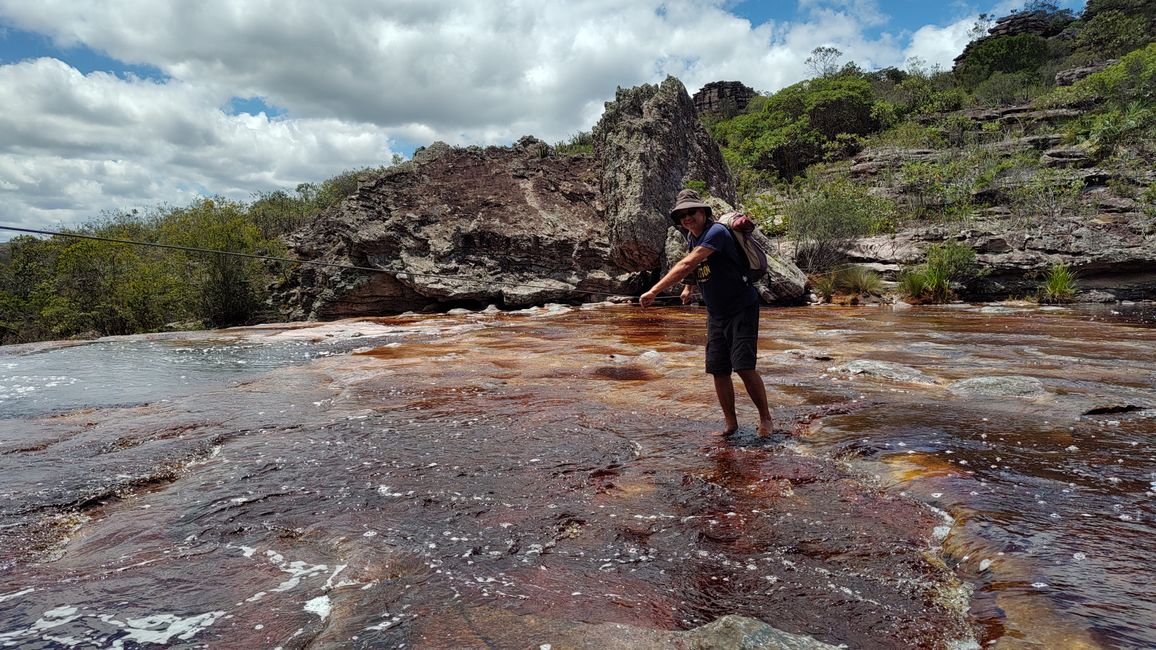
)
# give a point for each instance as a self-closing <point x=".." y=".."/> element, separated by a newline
<point x="1009" y="386"/>
<point x="1072" y="75"/>
<point x="650" y="143"/>
<point x="512" y="226"/>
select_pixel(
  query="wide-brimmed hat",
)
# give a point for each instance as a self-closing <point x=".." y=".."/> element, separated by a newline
<point x="687" y="200"/>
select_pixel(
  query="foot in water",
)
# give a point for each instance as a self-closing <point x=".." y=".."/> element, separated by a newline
<point x="729" y="429"/>
<point x="765" y="428"/>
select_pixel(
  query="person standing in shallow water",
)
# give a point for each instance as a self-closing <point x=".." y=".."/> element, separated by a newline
<point x="732" y="306"/>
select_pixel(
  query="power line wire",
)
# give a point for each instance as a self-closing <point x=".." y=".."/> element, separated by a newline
<point x="296" y="261"/>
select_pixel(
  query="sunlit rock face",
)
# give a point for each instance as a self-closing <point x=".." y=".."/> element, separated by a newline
<point x="509" y="226"/>
<point x="650" y="143"/>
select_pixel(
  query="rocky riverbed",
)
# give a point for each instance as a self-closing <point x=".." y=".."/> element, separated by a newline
<point x="490" y="479"/>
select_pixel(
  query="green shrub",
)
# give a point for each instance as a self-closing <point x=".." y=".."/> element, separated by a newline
<point x="786" y="132"/>
<point x="824" y="285"/>
<point x="909" y="135"/>
<point x="937" y="189"/>
<point x="921" y="284"/>
<point x="1133" y="79"/>
<point x="948" y="267"/>
<point x="859" y="280"/>
<point x="1112" y="34"/>
<point x="955" y="260"/>
<point x="1135" y="124"/>
<point x="1019" y="53"/>
<point x="1047" y="194"/>
<point x="1008" y="88"/>
<point x="581" y="142"/>
<point x="1148" y="200"/>
<point x="829" y="215"/>
<point x="1059" y="285"/>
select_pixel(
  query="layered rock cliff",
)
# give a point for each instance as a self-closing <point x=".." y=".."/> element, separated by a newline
<point x="1061" y="210"/>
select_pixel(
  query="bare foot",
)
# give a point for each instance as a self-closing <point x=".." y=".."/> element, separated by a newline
<point x="731" y="427"/>
<point x="765" y="428"/>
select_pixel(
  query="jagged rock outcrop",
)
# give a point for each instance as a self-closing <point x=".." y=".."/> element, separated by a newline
<point x="512" y="226"/>
<point x="515" y="226"/>
<point x="650" y="143"/>
<point x="727" y="98"/>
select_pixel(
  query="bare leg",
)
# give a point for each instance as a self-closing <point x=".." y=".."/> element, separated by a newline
<point x="753" y="382"/>
<point x="725" y="389"/>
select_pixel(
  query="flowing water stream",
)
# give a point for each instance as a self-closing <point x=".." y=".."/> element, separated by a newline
<point x="958" y="477"/>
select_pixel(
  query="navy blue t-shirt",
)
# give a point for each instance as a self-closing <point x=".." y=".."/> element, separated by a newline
<point x="720" y="278"/>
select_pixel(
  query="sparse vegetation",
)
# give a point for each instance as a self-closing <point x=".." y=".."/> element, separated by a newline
<point x="828" y="215"/>
<point x="1059" y="285"/>
<point x="859" y="280"/>
<point x="581" y="142"/>
<point x="948" y="267"/>
<point x="851" y="280"/>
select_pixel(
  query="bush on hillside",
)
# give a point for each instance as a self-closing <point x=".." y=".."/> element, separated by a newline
<point x="1132" y="79"/>
<point x="828" y="216"/>
<point x="786" y="132"/>
<point x="1008" y="54"/>
<point x="1112" y="28"/>
<point x="947" y="268"/>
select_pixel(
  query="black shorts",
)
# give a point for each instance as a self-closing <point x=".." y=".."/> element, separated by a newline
<point x="732" y="343"/>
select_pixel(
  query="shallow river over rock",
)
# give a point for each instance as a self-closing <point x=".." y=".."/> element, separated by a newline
<point x="938" y="477"/>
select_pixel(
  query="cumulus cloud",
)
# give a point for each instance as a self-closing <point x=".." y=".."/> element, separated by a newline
<point x="938" y="46"/>
<point x="354" y="81"/>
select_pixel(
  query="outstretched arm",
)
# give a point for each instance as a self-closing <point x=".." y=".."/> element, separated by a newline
<point x="683" y="268"/>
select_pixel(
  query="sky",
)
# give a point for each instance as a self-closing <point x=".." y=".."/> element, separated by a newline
<point x="116" y="105"/>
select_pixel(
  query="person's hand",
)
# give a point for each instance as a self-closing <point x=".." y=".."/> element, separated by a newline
<point x="686" y="294"/>
<point x="647" y="299"/>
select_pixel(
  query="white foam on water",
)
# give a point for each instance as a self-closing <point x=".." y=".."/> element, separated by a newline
<point x="297" y="570"/>
<point x="52" y="618"/>
<point x="16" y="594"/>
<point x="329" y="582"/>
<point x="153" y="629"/>
<point x="161" y="628"/>
<point x="320" y="606"/>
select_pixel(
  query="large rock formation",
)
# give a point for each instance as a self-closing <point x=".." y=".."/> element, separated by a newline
<point x="512" y="226"/>
<point x="650" y="143"/>
<point x="516" y="226"/>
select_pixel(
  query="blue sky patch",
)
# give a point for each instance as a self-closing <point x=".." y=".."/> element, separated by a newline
<point x="253" y="106"/>
<point x="17" y="45"/>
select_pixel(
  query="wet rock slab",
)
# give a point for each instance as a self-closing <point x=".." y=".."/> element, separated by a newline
<point x="501" y="486"/>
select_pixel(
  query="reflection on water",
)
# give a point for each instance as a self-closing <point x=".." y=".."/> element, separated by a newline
<point x="497" y="480"/>
<point x="136" y="370"/>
